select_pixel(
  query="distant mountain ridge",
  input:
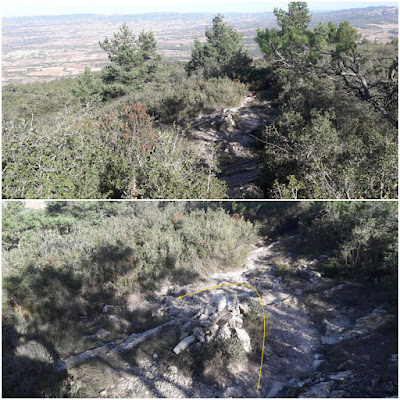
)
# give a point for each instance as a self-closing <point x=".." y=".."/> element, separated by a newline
<point x="390" y="14"/>
<point x="359" y="17"/>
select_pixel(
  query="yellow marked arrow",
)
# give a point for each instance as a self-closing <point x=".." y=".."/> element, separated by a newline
<point x="262" y="305"/>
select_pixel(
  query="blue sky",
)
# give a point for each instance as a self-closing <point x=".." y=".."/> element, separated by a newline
<point x="62" y="7"/>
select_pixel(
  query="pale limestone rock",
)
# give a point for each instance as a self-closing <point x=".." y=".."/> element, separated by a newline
<point x="216" y="317"/>
<point x="219" y="300"/>
<point x="205" y="323"/>
<point x="209" y="309"/>
<point x="233" y="392"/>
<point x="235" y="321"/>
<point x="233" y="305"/>
<point x="213" y="317"/>
<point x="244" y="337"/>
<point x="340" y="376"/>
<point x="236" y="311"/>
<point x="222" y="319"/>
<point x="106" y="308"/>
<point x="214" y="328"/>
<point x="210" y="338"/>
<point x="244" y="308"/>
<point x="363" y="326"/>
<point x="225" y="332"/>
<point x="198" y="333"/>
<point x="173" y="369"/>
<point x="185" y="343"/>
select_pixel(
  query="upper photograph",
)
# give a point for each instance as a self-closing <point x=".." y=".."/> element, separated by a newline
<point x="200" y="100"/>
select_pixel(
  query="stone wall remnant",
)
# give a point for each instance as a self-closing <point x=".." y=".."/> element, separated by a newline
<point x="221" y="318"/>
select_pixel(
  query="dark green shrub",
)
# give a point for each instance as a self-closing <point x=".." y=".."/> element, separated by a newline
<point x="359" y="237"/>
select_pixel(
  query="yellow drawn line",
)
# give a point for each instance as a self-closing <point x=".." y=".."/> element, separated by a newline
<point x="262" y="305"/>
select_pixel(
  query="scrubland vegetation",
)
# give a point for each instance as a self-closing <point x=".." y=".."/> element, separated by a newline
<point x="359" y="238"/>
<point x="63" y="263"/>
<point x="120" y="133"/>
<point x="115" y="150"/>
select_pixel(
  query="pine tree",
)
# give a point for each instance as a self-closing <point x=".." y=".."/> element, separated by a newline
<point x="334" y="52"/>
<point x="296" y="19"/>
<point x="222" y="53"/>
<point x="122" y="49"/>
<point x="133" y="61"/>
<point x="88" y="88"/>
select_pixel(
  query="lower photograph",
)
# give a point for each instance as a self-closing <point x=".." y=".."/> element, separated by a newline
<point x="181" y="299"/>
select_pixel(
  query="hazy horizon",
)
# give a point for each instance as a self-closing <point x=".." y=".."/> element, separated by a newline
<point x="27" y="8"/>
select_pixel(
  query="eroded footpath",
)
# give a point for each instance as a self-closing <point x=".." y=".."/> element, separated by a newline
<point x="231" y="139"/>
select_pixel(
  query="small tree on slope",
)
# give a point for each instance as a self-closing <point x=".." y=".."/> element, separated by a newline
<point x="222" y="54"/>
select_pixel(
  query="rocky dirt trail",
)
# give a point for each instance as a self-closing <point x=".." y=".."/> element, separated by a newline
<point x="296" y="344"/>
<point x="229" y="137"/>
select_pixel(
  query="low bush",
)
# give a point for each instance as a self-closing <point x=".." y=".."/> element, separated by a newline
<point x="324" y="145"/>
<point x="174" y="97"/>
<point x="113" y="149"/>
<point x="28" y="101"/>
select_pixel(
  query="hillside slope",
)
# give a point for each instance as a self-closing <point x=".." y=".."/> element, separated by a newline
<point x="321" y="341"/>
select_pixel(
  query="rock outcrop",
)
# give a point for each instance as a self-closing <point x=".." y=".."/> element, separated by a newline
<point x="221" y="318"/>
<point x="337" y="332"/>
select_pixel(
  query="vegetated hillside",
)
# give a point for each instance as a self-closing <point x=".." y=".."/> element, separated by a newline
<point x="91" y="290"/>
<point x="47" y="47"/>
<point x="310" y="120"/>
